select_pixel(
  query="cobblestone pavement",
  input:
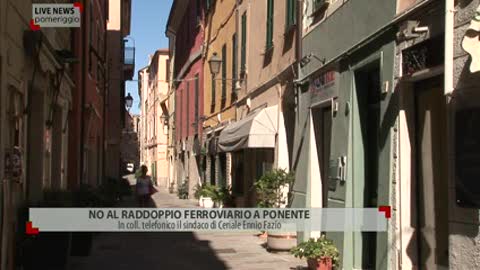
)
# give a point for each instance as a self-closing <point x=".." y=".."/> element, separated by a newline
<point x="212" y="251"/>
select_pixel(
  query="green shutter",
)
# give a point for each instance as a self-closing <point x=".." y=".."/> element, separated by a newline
<point x="269" y="43"/>
<point x="244" y="42"/>
<point x="290" y="14"/>
<point x="234" y="64"/>
<point x="213" y="94"/>
<point x="197" y="86"/>
<point x="224" y="73"/>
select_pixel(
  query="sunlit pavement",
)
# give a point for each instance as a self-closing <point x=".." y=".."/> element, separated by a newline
<point x="138" y="251"/>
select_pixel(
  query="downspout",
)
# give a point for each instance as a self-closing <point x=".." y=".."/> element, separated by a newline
<point x="298" y="55"/>
<point x="84" y="90"/>
<point x="449" y="36"/>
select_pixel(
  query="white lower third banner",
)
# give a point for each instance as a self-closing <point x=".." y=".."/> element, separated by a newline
<point x="196" y="219"/>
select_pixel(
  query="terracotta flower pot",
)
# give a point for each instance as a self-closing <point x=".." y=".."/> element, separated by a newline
<point x="324" y="263"/>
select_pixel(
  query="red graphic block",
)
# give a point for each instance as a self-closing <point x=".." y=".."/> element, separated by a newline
<point x="79" y="6"/>
<point x="30" y="229"/>
<point x="33" y="26"/>
<point x="387" y="210"/>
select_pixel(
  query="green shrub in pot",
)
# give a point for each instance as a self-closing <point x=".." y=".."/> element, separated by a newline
<point x="320" y="253"/>
<point x="269" y="188"/>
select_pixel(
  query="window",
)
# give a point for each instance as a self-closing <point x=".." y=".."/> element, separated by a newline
<point x="187" y="122"/>
<point x="224" y="73"/>
<point x="213" y="94"/>
<point x="198" y="11"/>
<point x="197" y="86"/>
<point x="234" y="64"/>
<point x="91" y="37"/>
<point x="244" y="43"/>
<point x="269" y="38"/>
<point x="167" y="74"/>
<point x="208" y="4"/>
<point x="291" y="16"/>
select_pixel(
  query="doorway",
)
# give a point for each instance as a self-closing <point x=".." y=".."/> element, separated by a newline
<point x="322" y="124"/>
<point x="366" y="152"/>
<point x="431" y="183"/>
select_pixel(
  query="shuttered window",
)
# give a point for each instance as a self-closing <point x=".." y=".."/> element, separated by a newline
<point x="244" y="42"/>
<point x="291" y="14"/>
<point x="213" y="94"/>
<point x="224" y="74"/>
<point x="234" y="64"/>
<point x="197" y="86"/>
<point x="269" y="37"/>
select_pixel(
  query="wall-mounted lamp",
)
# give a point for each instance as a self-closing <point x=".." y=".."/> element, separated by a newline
<point x="128" y="102"/>
<point x="308" y="58"/>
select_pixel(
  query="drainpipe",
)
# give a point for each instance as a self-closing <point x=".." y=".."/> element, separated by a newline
<point x="449" y="29"/>
<point x="298" y="54"/>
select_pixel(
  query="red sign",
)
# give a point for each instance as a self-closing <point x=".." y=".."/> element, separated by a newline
<point x="323" y="81"/>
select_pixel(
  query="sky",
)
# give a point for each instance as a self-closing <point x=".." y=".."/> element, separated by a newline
<point x="149" y="18"/>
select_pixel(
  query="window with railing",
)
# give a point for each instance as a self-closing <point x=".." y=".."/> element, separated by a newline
<point x="129" y="55"/>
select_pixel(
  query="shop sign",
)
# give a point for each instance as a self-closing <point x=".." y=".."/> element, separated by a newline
<point x="323" y="81"/>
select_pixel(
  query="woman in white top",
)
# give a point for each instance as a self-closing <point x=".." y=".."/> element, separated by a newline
<point x="143" y="187"/>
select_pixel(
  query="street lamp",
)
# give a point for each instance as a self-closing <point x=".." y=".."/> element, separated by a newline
<point x="215" y="63"/>
<point x="128" y="101"/>
<point x="164" y="119"/>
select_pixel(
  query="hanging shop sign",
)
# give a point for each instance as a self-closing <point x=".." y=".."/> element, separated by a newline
<point x="471" y="42"/>
<point x="13" y="163"/>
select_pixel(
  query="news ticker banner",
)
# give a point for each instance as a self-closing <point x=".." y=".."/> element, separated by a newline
<point x="200" y="219"/>
<point x="56" y="15"/>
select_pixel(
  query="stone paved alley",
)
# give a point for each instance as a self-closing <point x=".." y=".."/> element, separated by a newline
<point x="212" y="251"/>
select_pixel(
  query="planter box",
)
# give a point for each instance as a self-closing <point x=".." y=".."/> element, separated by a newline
<point x="200" y="201"/>
<point x="207" y="202"/>
<point x="281" y="241"/>
<point x="320" y="264"/>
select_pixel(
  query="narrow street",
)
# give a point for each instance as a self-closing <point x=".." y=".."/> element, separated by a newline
<point x="239" y="251"/>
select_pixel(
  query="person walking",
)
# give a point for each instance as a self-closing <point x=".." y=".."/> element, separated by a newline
<point x="144" y="187"/>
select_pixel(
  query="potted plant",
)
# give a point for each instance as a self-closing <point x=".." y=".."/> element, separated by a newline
<point x="198" y="194"/>
<point x="182" y="191"/>
<point x="223" y="197"/>
<point x="321" y="253"/>
<point x="208" y="192"/>
<point x="273" y="190"/>
<point x="48" y="250"/>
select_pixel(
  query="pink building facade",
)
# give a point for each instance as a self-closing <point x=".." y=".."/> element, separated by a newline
<point x="186" y="33"/>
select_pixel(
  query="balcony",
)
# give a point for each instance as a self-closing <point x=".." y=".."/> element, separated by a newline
<point x="128" y="59"/>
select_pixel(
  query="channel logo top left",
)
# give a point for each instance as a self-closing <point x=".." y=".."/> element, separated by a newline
<point x="56" y="15"/>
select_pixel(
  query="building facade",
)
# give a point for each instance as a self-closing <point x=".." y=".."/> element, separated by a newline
<point x="185" y="30"/>
<point x="343" y="155"/>
<point x="219" y="89"/>
<point x="130" y="143"/>
<point x="86" y="153"/>
<point x="120" y="69"/>
<point x="263" y="38"/>
<point x="153" y="92"/>
<point x="36" y="85"/>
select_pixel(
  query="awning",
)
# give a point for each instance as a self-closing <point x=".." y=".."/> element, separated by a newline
<point x="256" y="130"/>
